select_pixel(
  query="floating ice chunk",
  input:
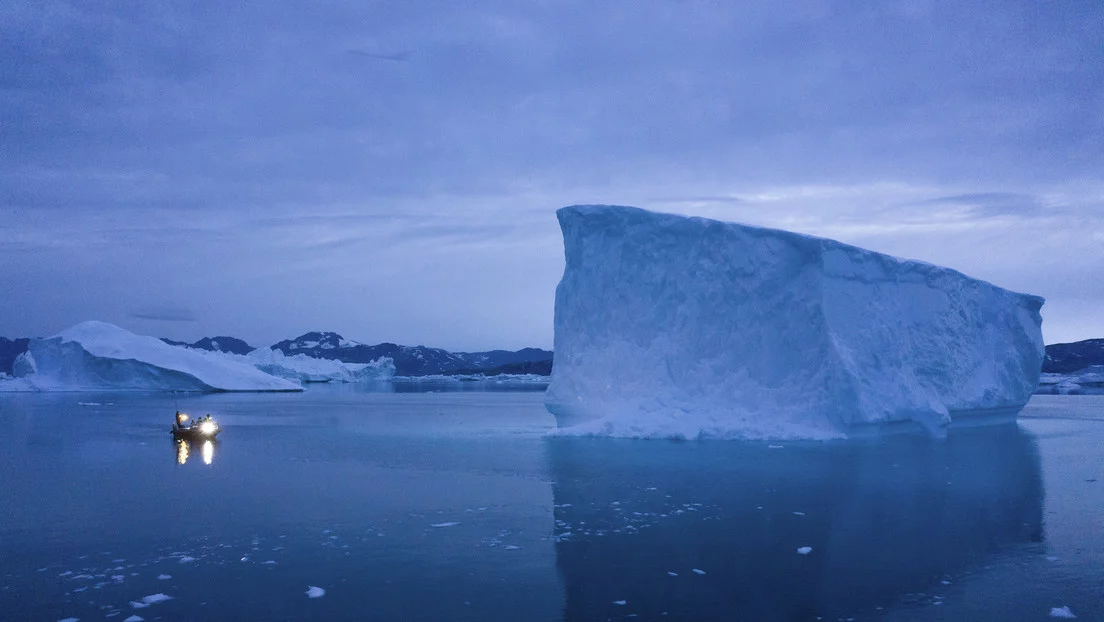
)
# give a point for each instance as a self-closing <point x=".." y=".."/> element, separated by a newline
<point x="66" y="573"/>
<point x="164" y="577"/>
<point x="805" y="550"/>
<point x="799" y="513"/>
<point x="675" y="327"/>
<point x="134" y="619"/>
<point x="138" y="605"/>
<point x="69" y="620"/>
<point x="696" y="571"/>
<point x="945" y="582"/>
<point x="1052" y="558"/>
<point x="186" y="559"/>
<point x="270" y="562"/>
<point x="1061" y="612"/>
<point x="440" y="525"/>
<point x="153" y="599"/>
<point x="672" y="574"/>
<point x="621" y="602"/>
<point x="510" y="547"/>
<point x="774" y="446"/>
<point x="315" y="592"/>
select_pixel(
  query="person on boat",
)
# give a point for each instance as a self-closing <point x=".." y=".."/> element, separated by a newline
<point x="180" y="419"/>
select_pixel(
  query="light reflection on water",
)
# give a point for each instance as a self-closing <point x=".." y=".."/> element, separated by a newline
<point x="185" y="448"/>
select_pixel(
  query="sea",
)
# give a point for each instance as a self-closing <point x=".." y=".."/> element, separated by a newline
<point x="363" y="502"/>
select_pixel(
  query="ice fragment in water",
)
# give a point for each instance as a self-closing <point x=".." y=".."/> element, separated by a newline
<point x="696" y="571"/>
<point x="1061" y="612"/>
<point x="134" y="619"/>
<point x="620" y="602"/>
<point x="805" y="550"/>
<point x="439" y="525"/>
<point x="164" y="577"/>
<point x="153" y="599"/>
<point x="315" y="592"/>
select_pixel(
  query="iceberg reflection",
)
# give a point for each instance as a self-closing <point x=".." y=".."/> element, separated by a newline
<point x="712" y="529"/>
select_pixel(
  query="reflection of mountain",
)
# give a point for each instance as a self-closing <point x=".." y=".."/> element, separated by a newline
<point x="885" y="519"/>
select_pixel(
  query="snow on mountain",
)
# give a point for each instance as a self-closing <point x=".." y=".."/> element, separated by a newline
<point x="98" y="356"/>
<point x="231" y="345"/>
<point x="667" y="326"/>
<point x="408" y="360"/>
<point x="1064" y="358"/>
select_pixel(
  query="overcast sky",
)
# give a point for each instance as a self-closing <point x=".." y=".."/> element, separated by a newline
<point x="391" y="170"/>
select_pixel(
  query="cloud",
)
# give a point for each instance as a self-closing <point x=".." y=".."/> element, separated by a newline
<point x="164" y="314"/>
<point x="988" y="204"/>
<point x="150" y="148"/>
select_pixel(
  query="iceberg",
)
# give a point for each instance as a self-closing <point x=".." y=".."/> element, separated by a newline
<point x="94" y="356"/>
<point x="678" y="327"/>
<point x="303" y="369"/>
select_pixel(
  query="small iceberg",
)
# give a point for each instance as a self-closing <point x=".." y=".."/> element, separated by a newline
<point x="315" y="592"/>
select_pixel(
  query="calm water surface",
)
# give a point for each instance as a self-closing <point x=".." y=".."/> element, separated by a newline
<point x="455" y="506"/>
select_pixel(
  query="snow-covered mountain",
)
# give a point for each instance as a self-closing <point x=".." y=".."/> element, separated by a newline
<point x="222" y="343"/>
<point x="409" y="360"/>
<point x="1064" y="358"/>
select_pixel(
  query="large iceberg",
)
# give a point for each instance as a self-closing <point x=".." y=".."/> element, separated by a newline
<point x="97" y="356"/>
<point x="668" y="326"/>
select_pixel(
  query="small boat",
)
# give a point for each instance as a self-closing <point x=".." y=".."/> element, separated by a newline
<point x="198" y="430"/>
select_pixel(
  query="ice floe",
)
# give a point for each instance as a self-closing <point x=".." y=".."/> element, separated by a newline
<point x="805" y="550"/>
<point x="315" y="592"/>
<point x="1061" y="612"/>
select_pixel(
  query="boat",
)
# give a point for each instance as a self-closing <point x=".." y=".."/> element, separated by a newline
<point x="205" y="429"/>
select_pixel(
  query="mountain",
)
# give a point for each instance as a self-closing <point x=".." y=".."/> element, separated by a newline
<point x="1063" y="358"/>
<point x="233" y="345"/>
<point x="409" y="360"/>
<point x="9" y="349"/>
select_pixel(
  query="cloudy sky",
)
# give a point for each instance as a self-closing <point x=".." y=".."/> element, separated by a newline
<point x="391" y="170"/>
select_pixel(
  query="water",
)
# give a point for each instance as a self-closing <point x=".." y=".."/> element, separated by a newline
<point x="454" y="506"/>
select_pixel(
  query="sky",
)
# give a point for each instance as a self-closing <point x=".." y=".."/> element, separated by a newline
<point x="391" y="170"/>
